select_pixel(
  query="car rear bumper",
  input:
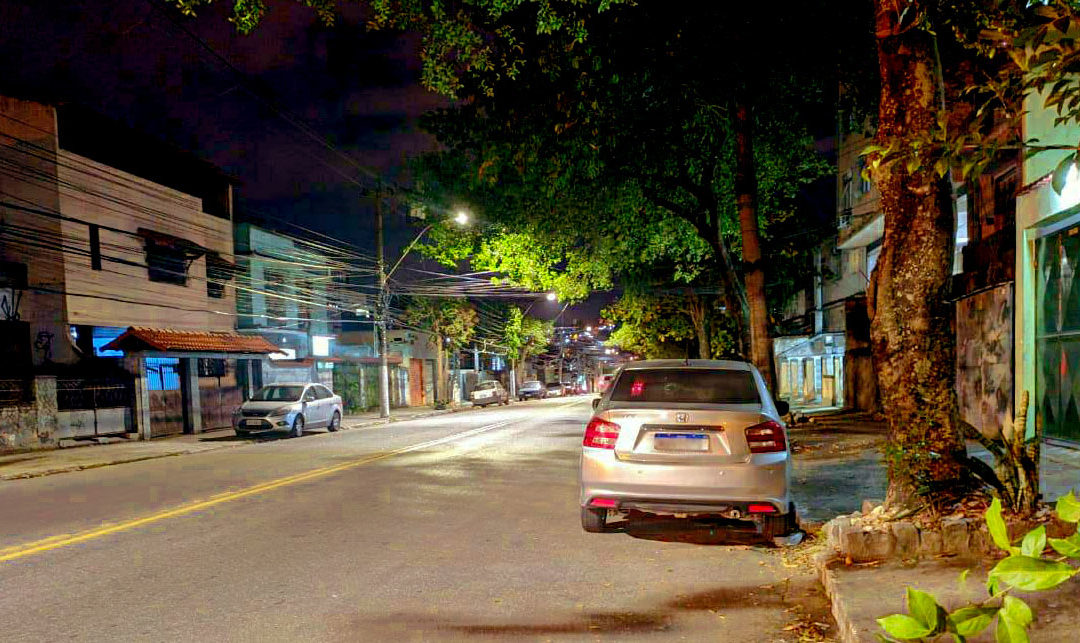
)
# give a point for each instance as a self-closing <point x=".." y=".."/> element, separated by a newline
<point x="700" y="488"/>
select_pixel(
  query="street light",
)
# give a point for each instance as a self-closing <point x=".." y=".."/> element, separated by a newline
<point x="551" y="296"/>
<point x="384" y="295"/>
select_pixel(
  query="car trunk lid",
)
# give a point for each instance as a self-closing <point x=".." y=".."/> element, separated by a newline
<point x="684" y="435"/>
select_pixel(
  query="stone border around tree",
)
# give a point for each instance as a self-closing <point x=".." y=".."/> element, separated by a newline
<point x="962" y="538"/>
<point x="902" y="540"/>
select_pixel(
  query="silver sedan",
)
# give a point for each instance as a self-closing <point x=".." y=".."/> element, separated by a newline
<point x="688" y="438"/>
<point x="289" y="407"/>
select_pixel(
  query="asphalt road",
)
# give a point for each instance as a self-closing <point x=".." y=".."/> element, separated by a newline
<point x="452" y="527"/>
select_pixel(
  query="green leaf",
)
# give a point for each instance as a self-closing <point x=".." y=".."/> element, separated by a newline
<point x="961" y="582"/>
<point x="1057" y="182"/>
<point x="1031" y="574"/>
<point x="1068" y="508"/>
<point x="903" y="626"/>
<point x="1067" y="546"/>
<point x="970" y="621"/>
<point x="923" y="608"/>
<point x="1017" y="611"/>
<point x="1034" y="542"/>
<point x="1009" y="631"/>
<point x="996" y="524"/>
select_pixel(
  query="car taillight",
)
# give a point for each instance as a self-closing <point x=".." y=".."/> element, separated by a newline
<point x="767" y="437"/>
<point x="601" y="434"/>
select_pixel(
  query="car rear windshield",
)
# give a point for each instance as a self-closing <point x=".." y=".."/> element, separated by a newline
<point x="278" y="394"/>
<point x="531" y="385"/>
<point x="483" y="386"/>
<point x="687" y="386"/>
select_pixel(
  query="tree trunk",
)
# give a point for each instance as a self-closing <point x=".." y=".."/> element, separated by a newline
<point x="698" y="317"/>
<point x="910" y="322"/>
<point x="520" y="365"/>
<point x="440" y="372"/>
<point x="761" y="353"/>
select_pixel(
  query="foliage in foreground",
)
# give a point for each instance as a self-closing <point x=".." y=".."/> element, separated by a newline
<point x="1025" y="569"/>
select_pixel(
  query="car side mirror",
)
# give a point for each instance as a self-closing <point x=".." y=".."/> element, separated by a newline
<point x="782" y="407"/>
<point x="595" y="403"/>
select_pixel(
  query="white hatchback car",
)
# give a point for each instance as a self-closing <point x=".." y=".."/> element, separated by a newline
<point x="490" y="392"/>
<point x="289" y="407"/>
<point x="688" y="438"/>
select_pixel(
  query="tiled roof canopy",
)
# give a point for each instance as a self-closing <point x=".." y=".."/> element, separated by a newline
<point x="141" y="338"/>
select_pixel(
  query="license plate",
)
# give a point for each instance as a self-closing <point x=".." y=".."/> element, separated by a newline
<point x="252" y="422"/>
<point x="681" y="441"/>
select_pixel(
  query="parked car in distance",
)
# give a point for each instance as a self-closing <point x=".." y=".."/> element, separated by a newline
<point x="289" y="407"/>
<point x="532" y="389"/>
<point x="688" y="438"/>
<point x="491" y="392"/>
<point x="554" y="389"/>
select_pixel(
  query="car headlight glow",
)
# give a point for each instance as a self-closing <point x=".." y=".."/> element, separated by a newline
<point x="278" y="412"/>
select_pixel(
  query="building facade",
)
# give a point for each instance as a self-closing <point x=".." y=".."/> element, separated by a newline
<point x="1047" y="293"/>
<point x="105" y="234"/>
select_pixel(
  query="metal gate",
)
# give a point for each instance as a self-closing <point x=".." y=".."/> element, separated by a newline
<point x="166" y="399"/>
<point x="416" y="383"/>
<point x="219" y="392"/>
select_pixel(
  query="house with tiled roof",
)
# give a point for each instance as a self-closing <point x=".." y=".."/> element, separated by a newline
<point x="118" y="272"/>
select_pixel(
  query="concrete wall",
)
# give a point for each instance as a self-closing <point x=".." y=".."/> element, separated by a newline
<point x="99" y="194"/>
<point x="87" y="423"/>
<point x="28" y="144"/>
<point x="31" y="426"/>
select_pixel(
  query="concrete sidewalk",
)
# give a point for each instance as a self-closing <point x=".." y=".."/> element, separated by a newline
<point x="861" y="594"/>
<point x="101" y="452"/>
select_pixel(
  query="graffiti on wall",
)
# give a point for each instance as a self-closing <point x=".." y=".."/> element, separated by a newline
<point x="984" y="354"/>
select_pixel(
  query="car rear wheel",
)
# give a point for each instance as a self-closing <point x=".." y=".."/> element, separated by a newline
<point x="593" y="520"/>
<point x="777" y="526"/>
<point x="335" y="422"/>
<point x="297" y="427"/>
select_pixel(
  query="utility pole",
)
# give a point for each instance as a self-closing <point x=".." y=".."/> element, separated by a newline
<point x="381" y="311"/>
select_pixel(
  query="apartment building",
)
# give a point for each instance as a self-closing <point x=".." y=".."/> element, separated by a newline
<point x="118" y="256"/>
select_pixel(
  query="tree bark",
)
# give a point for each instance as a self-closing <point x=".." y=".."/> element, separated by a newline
<point x="761" y="353"/>
<point x="910" y="321"/>
<point x="698" y="317"/>
<point x="440" y="371"/>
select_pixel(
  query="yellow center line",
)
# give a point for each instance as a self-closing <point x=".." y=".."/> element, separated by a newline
<point x="65" y="540"/>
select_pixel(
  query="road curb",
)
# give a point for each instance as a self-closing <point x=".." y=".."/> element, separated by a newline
<point x="420" y="416"/>
<point x="26" y="475"/>
<point x="97" y="465"/>
<point x="847" y="631"/>
<point x="206" y="449"/>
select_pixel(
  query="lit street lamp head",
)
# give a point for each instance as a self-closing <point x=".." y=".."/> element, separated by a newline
<point x="551" y="296"/>
<point x="462" y="217"/>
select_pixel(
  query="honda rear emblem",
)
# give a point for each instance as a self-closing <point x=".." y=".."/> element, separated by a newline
<point x="681" y="417"/>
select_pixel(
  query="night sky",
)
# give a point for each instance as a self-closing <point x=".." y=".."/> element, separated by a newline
<point x="128" y="60"/>
<point x="141" y="63"/>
